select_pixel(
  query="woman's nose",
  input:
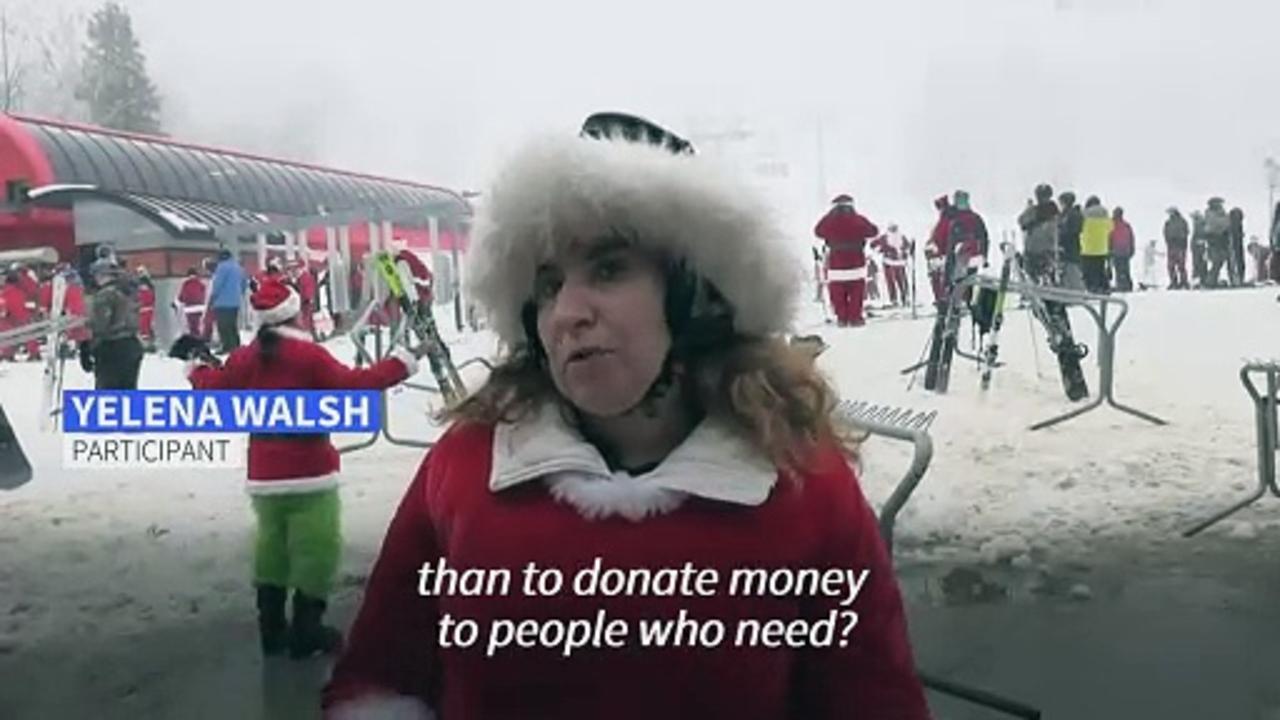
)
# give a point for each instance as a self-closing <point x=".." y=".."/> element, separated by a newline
<point x="573" y="306"/>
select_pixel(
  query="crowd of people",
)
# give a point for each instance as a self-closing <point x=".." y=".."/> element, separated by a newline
<point x="1082" y="247"/>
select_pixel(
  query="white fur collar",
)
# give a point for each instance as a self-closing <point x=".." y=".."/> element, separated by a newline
<point x="712" y="463"/>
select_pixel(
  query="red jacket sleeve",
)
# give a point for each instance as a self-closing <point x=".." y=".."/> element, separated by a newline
<point x="874" y="676"/>
<point x="869" y="229"/>
<point x="391" y="648"/>
<point x="330" y="373"/>
<point x="232" y="375"/>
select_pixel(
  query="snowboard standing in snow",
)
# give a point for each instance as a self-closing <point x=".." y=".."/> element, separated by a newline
<point x="1053" y="316"/>
<point x="423" y="326"/>
<point x="15" y="469"/>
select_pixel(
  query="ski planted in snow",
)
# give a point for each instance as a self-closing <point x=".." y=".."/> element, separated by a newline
<point x="946" y="326"/>
<point x="991" y="348"/>
<point x="15" y="469"/>
<point x="423" y="326"/>
<point x="53" y="354"/>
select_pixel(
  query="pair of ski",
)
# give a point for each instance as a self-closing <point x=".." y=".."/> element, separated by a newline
<point x="398" y="278"/>
<point x="988" y="314"/>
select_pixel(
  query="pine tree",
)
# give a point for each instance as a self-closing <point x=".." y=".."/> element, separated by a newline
<point x="113" y="78"/>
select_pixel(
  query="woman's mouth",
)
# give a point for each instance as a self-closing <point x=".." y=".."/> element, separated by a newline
<point x="586" y="353"/>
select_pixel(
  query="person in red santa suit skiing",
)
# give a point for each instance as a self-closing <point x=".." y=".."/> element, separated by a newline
<point x="648" y="413"/>
<point x="893" y="248"/>
<point x="293" y="479"/>
<point x="846" y="234"/>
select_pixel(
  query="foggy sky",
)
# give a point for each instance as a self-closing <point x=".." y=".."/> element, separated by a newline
<point x="1146" y="103"/>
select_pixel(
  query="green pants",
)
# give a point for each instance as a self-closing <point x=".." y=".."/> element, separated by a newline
<point x="299" y="541"/>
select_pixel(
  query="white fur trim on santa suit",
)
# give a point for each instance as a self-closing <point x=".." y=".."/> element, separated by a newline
<point x="406" y="357"/>
<point x="292" y="485"/>
<point x="846" y="275"/>
<point x="293" y="332"/>
<point x="283" y="311"/>
<point x="562" y="190"/>
<point x="381" y="707"/>
<point x="712" y="463"/>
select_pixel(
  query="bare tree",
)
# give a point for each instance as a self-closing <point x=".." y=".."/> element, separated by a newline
<point x="40" y="59"/>
<point x="12" y="68"/>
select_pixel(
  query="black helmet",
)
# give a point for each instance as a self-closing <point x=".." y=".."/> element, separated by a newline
<point x="1044" y="192"/>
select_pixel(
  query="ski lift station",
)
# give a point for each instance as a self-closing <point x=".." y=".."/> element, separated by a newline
<point x="170" y="205"/>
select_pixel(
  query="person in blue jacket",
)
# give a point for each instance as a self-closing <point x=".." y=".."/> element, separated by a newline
<point x="225" y="295"/>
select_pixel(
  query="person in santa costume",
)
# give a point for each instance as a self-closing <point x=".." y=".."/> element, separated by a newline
<point x="646" y="411"/>
<point x="190" y="302"/>
<point x="146" y="307"/>
<point x="293" y="479"/>
<point x="895" y="250"/>
<point x="935" y="250"/>
<point x="301" y="277"/>
<point x="846" y="234"/>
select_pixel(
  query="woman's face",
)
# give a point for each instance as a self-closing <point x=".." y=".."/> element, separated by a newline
<point x="602" y="322"/>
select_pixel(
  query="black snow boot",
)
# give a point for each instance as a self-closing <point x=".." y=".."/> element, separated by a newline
<point x="273" y="626"/>
<point x="308" y="635"/>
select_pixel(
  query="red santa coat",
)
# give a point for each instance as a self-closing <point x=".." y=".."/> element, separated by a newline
<point x="967" y="228"/>
<point x="846" y="234"/>
<point x="504" y="497"/>
<point x="894" y="248"/>
<point x="296" y="463"/>
<point x="73" y="306"/>
<point x="192" y="292"/>
<point x="422" y="278"/>
<point x="30" y="285"/>
<point x="146" y="308"/>
<point x="16" y="300"/>
<point x="306" y="284"/>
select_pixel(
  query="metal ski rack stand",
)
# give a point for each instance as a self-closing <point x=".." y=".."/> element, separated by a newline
<point x="913" y="426"/>
<point x="1264" y="411"/>
<point x="1106" y="340"/>
<point x="373" y="296"/>
<point x="899" y="424"/>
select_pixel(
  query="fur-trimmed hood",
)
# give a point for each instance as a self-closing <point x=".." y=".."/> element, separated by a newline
<point x="683" y="205"/>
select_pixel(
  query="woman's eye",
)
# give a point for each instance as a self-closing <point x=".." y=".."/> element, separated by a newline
<point x="610" y="269"/>
<point x="545" y="288"/>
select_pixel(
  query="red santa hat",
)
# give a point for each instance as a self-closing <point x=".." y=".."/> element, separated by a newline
<point x="275" y="302"/>
<point x="680" y="204"/>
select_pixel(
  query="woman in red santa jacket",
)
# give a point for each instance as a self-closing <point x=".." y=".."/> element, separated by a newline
<point x="293" y="479"/>
<point x="647" y="412"/>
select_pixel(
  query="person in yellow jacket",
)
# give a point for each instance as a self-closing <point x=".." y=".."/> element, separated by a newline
<point x="1095" y="246"/>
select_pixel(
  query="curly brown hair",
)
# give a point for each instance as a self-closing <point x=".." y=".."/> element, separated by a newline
<point x="771" y="392"/>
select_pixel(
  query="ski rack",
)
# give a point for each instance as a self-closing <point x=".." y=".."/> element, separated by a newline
<point x="1106" y="340"/>
<point x="912" y="426"/>
<point x="374" y="296"/>
<point x="900" y="424"/>
<point x="1264" y="413"/>
<point x="39" y="330"/>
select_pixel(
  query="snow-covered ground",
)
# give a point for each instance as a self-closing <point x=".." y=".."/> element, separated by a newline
<point x="98" y="559"/>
